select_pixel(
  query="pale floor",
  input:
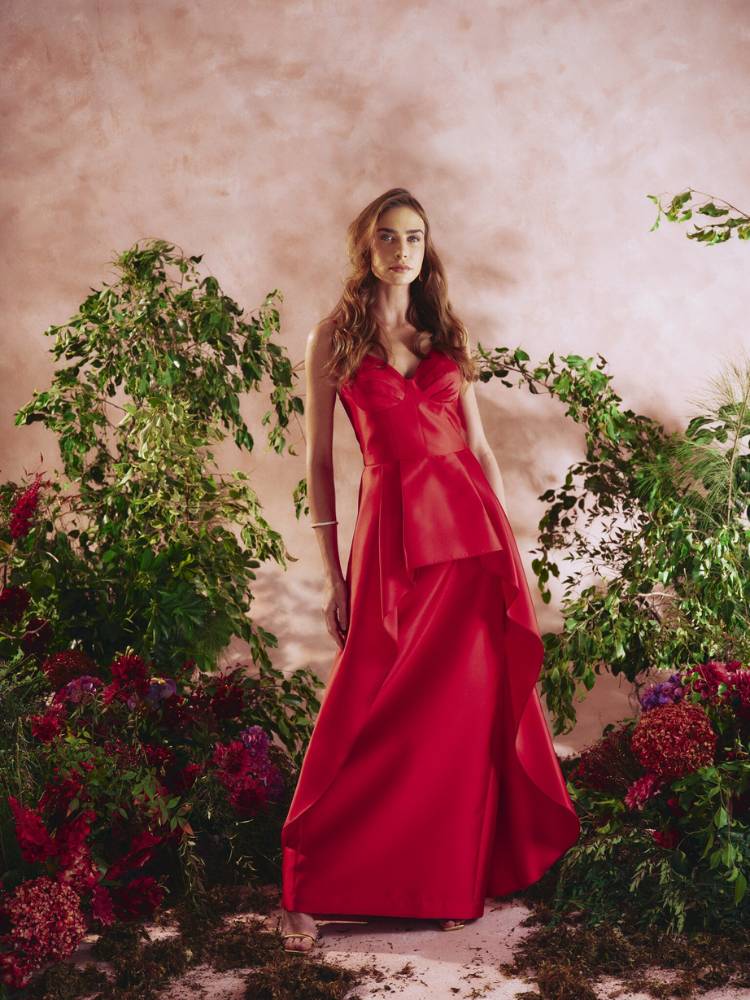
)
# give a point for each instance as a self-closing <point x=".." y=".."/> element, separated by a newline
<point x="410" y="960"/>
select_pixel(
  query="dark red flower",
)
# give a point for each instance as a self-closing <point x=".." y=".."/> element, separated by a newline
<point x="157" y="757"/>
<point x="182" y="780"/>
<point x="140" y="898"/>
<point x="46" y="727"/>
<point x="248" y="797"/>
<point x="46" y="922"/>
<point x="15" y="971"/>
<point x="34" y="841"/>
<point x="13" y="603"/>
<point x="141" y="850"/>
<point x="666" y="838"/>
<point x="227" y="700"/>
<point x="607" y="765"/>
<point x="66" y="665"/>
<point x="672" y="740"/>
<point x="60" y="792"/>
<point x="130" y="678"/>
<point x="102" y="908"/>
<point x="233" y="760"/>
<point x="24" y="509"/>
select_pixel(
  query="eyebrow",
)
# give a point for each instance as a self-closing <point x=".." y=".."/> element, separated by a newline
<point x="387" y="229"/>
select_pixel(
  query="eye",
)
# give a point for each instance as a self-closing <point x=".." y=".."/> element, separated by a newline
<point x="415" y="238"/>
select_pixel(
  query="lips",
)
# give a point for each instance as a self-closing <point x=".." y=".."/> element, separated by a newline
<point x="397" y="268"/>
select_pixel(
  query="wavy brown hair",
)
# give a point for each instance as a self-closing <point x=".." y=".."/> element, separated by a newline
<point x="355" y="330"/>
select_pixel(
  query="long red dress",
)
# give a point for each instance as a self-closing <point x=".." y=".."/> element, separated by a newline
<point x="430" y="781"/>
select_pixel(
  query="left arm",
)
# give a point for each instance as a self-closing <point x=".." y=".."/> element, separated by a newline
<point x="478" y="442"/>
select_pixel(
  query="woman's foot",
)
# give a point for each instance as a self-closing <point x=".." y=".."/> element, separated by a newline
<point x="298" y="930"/>
<point x="451" y="925"/>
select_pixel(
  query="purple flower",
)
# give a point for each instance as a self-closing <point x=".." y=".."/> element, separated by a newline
<point x="160" y="689"/>
<point x="667" y="692"/>
<point x="80" y="689"/>
<point x="256" y="739"/>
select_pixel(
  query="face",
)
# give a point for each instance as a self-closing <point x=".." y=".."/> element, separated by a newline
<point x="398" y="241"/>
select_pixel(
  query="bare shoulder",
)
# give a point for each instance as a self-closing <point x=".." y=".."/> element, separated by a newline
<point x="320" y="336"/>
<point x="318" y="347"/>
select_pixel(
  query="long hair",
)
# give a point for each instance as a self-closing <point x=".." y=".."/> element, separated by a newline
<point x="355" y="330"/>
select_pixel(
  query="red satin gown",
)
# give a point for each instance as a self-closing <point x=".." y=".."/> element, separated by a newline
<point x="430" y="781"/>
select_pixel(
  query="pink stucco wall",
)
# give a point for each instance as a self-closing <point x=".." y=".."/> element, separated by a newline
<point x="253" y="132"/>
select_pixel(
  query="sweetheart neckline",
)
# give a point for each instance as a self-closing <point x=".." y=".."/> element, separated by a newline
<point x="406" y="378"/>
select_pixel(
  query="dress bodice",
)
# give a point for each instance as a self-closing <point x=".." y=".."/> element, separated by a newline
<point x="423" y="495"/>
<point x="398" y="417"/>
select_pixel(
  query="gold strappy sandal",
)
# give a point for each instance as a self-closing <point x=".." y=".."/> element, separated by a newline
<point x="292" y="934"/>
<point x="458" y="924"/>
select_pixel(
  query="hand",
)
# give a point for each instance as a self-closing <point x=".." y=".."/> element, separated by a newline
<point x="336" y="609"/>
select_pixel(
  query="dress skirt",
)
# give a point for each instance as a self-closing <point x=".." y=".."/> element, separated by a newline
<point x="430" y="781"/>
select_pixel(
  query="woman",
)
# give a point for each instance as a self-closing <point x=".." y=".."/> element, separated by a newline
<point x="430" y="780"/>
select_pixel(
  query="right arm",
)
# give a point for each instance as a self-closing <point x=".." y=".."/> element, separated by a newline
<point x="320" y="401"/>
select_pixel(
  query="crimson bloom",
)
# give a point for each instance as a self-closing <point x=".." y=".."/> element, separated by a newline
<point x="23" y="510"/>
<point x="666" y="838"/>
<point x="13" y="603"/>
<point x="140" y="898"/>
<point x="34" y="841"/>
<point x="672" y="740"/>
<point x="66" y="665"/>
<point x="49" y="725"/>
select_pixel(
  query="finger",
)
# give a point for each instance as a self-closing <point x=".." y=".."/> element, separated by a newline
<point x="332" y="626"/>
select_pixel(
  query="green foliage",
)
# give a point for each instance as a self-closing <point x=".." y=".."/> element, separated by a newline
<point x="652" y="525"/>
<point x="711" y="234"/>
<point x="619" y="874"/>
<point x="149" y="545"/>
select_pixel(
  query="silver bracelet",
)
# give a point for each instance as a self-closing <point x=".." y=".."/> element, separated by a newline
<point x="323" y="522"/>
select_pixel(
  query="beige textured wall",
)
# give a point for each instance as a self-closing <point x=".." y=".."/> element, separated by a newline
<point x="253" y="132"/>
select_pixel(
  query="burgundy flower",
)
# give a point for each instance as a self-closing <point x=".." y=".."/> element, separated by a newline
<point x="66" y="665"/>
<point x="49" y="725"/>
<point x="140" y="898"/>
<point x="79" y="870"/>
<point x="60" y="792"/>
<point x="46" y="924"/>
<point x="23" y="510"/>
<point x="102" y="908"/>
<point x="672" y="740"/>
<point x="15" y="971"/>
<point x="232" y="760"/>
<point x="34" y="841"/>
<point x="182" y="780"/>
<point x="666" y="838"/>
<point x="13" y="603"/>
<point x="130" y="679"/>
<point x="177" y="714"/>
<point x="141" y="850"/>
<point x="157" y="757"/>
<point x="607" y="765"/>
<point x="227" y="700"/>
<point x="248" y="796"/>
